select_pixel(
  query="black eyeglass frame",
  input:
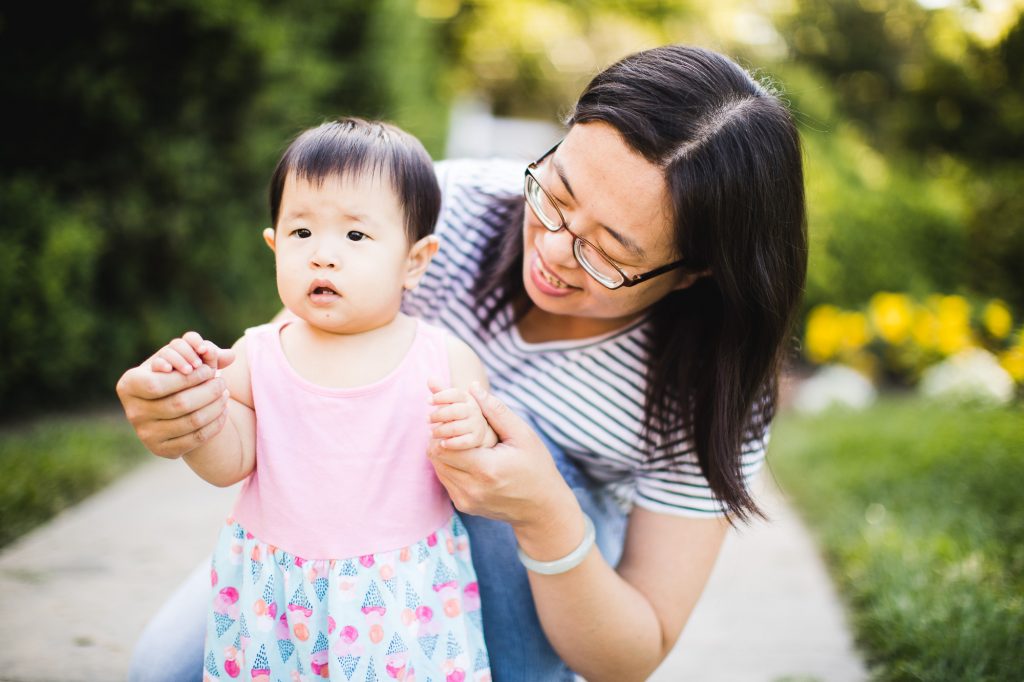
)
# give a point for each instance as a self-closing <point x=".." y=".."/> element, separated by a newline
<point x="627" y="280"/>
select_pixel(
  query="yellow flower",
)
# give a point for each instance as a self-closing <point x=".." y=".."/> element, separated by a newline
<point x="1012" y="361"/>
<point x="892" y="316"/>
<point x="926" y="329"/>
<point x="854" y="331"/>
<point x="824" y="333"/>
<point x="954" y="322"/>
<point x="997" y="319"/>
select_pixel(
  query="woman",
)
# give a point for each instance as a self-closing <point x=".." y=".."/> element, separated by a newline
<point x="635" y="308"/>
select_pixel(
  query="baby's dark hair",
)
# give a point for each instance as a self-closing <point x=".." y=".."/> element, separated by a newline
<point x="353" y="146"/>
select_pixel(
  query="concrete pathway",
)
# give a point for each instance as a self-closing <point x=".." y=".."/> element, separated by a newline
<point x="77" y="591"/>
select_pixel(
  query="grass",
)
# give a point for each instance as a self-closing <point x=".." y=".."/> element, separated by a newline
<point x="54" y="462"/>
<point x="919" y="509"/>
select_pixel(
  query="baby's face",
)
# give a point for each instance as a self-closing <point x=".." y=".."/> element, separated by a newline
<point x="341" y="251"/>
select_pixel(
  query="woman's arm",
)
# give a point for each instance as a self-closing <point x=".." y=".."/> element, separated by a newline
<point x="620" y="624"/>
<point x="607" y="624"/>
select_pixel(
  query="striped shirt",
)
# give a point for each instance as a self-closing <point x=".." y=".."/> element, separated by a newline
<point x="587" y="395"/>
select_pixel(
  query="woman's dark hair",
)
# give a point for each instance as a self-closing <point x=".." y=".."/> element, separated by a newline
<point x="354" y="146"/>
<point x="731" y="157"/>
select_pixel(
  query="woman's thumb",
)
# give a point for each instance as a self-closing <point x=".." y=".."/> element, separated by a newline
<point x="506" y="423"/>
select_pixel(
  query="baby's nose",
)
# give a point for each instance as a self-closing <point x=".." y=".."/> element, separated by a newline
<point x="325" y="258"/>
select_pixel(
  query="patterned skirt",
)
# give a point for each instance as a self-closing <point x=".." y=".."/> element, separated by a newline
<point x="407" y="614"/>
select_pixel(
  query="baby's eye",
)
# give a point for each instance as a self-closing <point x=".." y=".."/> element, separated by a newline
<point x="302" y="233"/>
<point x="355" y="235"/>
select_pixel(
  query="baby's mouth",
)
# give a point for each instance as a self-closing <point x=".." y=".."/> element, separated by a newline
<point x="322" y="288"/>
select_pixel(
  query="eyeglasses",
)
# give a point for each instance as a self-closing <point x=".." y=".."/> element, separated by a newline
<point x="595" y="261"/>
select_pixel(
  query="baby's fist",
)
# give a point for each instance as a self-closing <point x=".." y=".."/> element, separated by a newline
<point x="458" y="422"/>
<point x="184" y="355"/>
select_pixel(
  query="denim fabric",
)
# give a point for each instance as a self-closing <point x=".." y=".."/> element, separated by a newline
<point x="170" y="648"/>
<point x="517" y="646"/>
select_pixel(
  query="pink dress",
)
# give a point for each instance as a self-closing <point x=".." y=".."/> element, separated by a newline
<point x="344" y="558"/>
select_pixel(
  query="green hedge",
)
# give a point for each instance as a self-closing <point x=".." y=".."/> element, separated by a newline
<point x="134" y="172"/>
<point x="57" y="461"/>
<point x="919" y="511"/>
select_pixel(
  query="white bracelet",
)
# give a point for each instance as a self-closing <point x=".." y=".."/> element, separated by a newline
<point x="569" y="561"/>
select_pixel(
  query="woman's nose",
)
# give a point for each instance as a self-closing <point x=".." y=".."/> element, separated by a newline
<point x="556" y="248"/>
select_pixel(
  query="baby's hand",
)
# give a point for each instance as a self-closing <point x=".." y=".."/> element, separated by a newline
<point x="459" y="423"/>
<point x="184" y="355"/>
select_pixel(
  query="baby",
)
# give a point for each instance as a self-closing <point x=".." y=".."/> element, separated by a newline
<point x="343" y="557"/>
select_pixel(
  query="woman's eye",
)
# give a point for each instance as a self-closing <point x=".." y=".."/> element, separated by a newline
<point x="355" y="235"/>
<point x="560" y="202"/>
<point x="302" y="233"/>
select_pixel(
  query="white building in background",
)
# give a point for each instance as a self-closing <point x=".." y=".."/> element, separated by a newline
<point x="474" y="132"/>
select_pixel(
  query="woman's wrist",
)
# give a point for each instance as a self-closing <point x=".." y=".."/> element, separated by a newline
<point x="567" y="562"/>
<point x="556" y="531"/>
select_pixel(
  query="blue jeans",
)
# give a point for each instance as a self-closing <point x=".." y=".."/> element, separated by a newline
<point x="516" y="644"/>
<point x="170" y="648"/>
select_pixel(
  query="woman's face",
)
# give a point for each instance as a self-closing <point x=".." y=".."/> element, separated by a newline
<point x="616" y="199"/>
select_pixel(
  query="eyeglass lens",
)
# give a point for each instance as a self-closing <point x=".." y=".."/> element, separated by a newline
<point x="589" y="257"/>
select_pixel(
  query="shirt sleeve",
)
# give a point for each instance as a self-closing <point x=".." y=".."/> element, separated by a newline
<point x="472" y="194"/>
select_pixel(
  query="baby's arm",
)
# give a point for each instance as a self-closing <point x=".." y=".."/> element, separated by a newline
<point x="229" y="456"/>
<point x="458" y="422"/>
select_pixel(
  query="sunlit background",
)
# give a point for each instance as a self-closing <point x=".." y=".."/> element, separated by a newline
<point x="141" y="136"/>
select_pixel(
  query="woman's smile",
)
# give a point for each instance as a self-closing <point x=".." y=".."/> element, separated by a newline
<point x="546" y="281"/>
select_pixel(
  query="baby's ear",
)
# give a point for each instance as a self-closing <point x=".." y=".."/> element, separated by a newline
<point x="268" y="237"/>
<point x="418" y="260"/>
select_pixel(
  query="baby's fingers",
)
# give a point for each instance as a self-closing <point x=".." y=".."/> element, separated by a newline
<point x="450" y="395"/>
<point x="185" y="350"/>
<point x="196" y="341"/>
<point x="171" y="355"/>
<point x="158" y="364"/>
<point x="451" y="412"/>
<point x="466" y="441"/>
<point x="453" y="428"/>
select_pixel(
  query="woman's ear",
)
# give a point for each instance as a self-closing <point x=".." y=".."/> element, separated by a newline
<point x="689" y="278"/>
<point x="268" y="237"/>
<point x="418" y="260"/>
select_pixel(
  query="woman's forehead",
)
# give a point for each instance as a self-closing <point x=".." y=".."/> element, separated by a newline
<point x="616" y="186"/>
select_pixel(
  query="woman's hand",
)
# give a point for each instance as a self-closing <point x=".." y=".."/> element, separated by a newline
<point x="173" y="413"/>
<point x="515" y="481"/>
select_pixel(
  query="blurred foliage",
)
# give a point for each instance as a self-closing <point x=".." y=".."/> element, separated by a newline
<point x="915" y="142"/>
<point x="912" y="116"/>
<point x="917" y="506"/>
<point x="132" y="182"/>
<point x="928" y="80"/>
<point x="133" y="185"/>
